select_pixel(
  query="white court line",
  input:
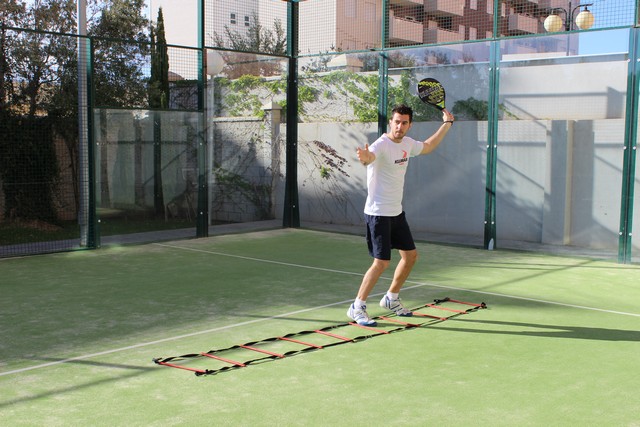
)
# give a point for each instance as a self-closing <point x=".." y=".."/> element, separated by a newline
<point x="288" y="264"/>
<point x="582" y="307"/>
<point x="178" y="337"/>
<point x="416" y="284"/>
<point x="221" y="328"/>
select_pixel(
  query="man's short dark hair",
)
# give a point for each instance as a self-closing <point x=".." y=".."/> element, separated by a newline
<point x="404" y="110"/>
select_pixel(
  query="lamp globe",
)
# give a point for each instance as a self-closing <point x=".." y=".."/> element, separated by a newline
<point x="553" y="23"/>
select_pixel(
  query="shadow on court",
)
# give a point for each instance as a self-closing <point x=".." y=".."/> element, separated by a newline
<point x="546" y="331"/>
<point x="136" y="371"/>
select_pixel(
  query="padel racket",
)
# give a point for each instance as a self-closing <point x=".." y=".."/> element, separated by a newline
<point x="431" y="92"/>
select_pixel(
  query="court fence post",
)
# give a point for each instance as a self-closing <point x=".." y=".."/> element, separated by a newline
<point x="202" y="214"/>
<point x="629" y="153"/>
<point x="383" y="73"/>
<point x="291" y="214"/>
<point x="490" y="238"/>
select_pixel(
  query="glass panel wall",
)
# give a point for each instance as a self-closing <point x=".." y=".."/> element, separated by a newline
<point x="338" y="112"/>
<point x="444" y="196"/>
<point x="560" y="148"/>
<point x="444" y="191"/>
<point x="146" y="173"/>
<point x="246" y="134"/>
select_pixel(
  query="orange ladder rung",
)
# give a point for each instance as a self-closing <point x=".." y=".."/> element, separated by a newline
<point x="333" y="335"/>
<point x="428" y="315"/>
<point x="369" y="327"/>
<point x="233" y="362"/>
<point x="259" y="350"/>
<point x="481" y="305"/>
<point x="399" y="321"/>
<point x="198" y="371"/>
<point x="300" y="342"/>
<point x="446" y="308"/>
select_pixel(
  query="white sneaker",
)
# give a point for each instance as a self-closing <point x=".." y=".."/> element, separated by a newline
<point x="360" y="316"/>
<point x="395" y="305"/>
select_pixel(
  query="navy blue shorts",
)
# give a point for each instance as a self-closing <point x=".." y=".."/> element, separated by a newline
<point x="388" y="232"/>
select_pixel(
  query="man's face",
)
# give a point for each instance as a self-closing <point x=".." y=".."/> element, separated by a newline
<point x="399" y="126"/>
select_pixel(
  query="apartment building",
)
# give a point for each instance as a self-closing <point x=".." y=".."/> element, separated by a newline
<point x="345" y="25"/>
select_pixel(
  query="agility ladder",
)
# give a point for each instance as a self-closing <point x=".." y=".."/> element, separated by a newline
<point x="261" y="347"/>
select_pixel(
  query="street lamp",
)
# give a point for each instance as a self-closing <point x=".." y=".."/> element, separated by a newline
<point x="584" y="20"/>
<point x="215" y="65"/>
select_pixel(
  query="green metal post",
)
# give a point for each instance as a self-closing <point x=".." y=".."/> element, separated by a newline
<point x="492" y="149"/>
<point x="87" y="212"/>
<point x="383" y="92"/>
<point x="202" y="216"/>
<point x="291" y="215"/>
<point x="383" y="73"/>
<point x="93" y="236"/>
<point x="630" y="145"/>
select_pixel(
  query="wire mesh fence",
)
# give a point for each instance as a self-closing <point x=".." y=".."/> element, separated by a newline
<point x="360" y="25"/>
<point x="38" y="143"/>
<point x="122" y="133"/>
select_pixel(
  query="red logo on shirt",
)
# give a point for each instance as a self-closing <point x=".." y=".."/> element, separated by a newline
<point x="404" y="158"/>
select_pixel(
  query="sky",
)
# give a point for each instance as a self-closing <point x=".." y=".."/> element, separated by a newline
<point x="609" y="13"/>
<point x="180" y="20"/>
<point x="593" y="43"/>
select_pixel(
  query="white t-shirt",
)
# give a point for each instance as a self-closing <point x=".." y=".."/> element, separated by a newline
<point x="385" y="176"/>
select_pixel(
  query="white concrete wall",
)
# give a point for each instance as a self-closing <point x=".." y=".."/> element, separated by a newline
<point x="558" y="182"/>
<point x="559" y="157"/>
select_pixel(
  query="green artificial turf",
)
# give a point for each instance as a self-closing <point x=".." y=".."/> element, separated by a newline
<point x="558" y="344"/>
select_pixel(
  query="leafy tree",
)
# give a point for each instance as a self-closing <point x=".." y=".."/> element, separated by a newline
<point x="38" y="78"/>
<point x="159" y="80"/>
<point x="258" y="39"/>
<point x="35" y="55"/>
<point x="29" y="70"/>
<point x="436" y="57"/>
<point x="11" y="13"/>
<point x="119" y="58"/>
<point x="158" y="98"/>
<point x="120" y="54"/>
<point x="396" y="59"/>
<point x="317" y="64"/>
<point x="28" y="170"/>
<point x="471" y="109"/>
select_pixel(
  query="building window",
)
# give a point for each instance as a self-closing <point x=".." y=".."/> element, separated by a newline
<point x="233" y="19"/>
<point x="247" y="23"/>
<point x="445" y="22"/>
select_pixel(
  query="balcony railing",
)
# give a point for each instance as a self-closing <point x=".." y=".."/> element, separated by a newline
<point x="406" y="3"/>
<point x="403" y="30"/>
<point x="552" y="4"/>
<point x="444" y="7"/>
<point x="522" y="24"/>
<point x="438" y="35"/>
